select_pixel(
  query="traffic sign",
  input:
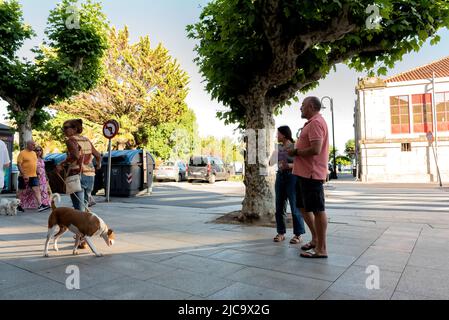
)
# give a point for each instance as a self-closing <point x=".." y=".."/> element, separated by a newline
<point x="110" y="129"/>
<point x="429" y="136"/>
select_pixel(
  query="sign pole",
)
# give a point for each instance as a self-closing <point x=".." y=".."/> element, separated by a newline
<point x="108" y="186"/>
<point x="110" y="130"/>
<point x="431" y="140"/>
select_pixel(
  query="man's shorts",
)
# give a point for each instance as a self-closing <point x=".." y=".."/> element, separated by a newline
<point x="32" y="182"/>
<point x="310" y="195"/>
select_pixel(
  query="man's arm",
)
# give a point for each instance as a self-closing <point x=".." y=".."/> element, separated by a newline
<point x="313" y="150"/>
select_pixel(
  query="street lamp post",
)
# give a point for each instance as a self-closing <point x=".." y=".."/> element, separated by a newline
<point x="334" y="173"/>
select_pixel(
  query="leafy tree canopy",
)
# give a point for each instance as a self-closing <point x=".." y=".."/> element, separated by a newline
<point x="69" y="61"/>
<point x="276" y="48"/>
<point x="142" y="87"/>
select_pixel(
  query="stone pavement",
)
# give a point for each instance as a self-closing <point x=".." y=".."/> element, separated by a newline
<point x="173" y="253"/>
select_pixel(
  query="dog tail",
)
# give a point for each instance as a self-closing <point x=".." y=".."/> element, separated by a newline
<point x="53" y="197"/>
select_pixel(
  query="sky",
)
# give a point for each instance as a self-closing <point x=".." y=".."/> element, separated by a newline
<point x="165" y="22"/>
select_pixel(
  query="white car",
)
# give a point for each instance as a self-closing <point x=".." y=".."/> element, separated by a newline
<point x="171" y="170"/>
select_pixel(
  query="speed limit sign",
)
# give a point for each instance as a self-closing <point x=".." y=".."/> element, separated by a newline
<point x="110" y="129"/>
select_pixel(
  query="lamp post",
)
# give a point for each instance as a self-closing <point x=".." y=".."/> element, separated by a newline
<point x="334" y="173"/>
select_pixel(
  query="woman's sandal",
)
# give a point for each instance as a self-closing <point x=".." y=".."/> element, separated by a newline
<point x="279" y="238"/>
<point x="296" y="240"/>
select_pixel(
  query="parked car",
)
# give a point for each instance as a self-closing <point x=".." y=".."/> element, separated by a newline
<point x="171" y="170"/>
<point x="207" y="168"/>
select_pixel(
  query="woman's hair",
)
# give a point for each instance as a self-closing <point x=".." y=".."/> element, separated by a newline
<point x="286" y="132"/>
<point x="40" y="148"/>
<point x="77" y="124"/>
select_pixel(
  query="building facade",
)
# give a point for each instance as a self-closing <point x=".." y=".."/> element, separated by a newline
<point x="393" y="119"/>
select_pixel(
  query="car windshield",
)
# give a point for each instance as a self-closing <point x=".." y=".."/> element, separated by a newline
<point x="168" y="164"/>
<point x="198" y="161"/>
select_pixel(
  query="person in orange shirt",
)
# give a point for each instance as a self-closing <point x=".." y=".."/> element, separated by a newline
<point x="27" y="164"/>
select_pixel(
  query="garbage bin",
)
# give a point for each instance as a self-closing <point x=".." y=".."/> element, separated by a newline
<point x="14" y="177"/>
<point x="51" y="160"/>
<point x="129" y="175"/>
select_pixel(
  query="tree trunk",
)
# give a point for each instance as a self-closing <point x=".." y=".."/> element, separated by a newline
<point x="25" y="129"/>
<point x="259" y="176"/>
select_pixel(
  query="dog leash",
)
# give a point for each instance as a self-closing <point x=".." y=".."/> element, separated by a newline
<point x="86" y="206"/>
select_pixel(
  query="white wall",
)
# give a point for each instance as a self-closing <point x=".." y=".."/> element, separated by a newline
<point x="384" y="161"/>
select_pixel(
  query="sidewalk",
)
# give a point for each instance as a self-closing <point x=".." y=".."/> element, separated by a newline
<point x="164" y="252"/>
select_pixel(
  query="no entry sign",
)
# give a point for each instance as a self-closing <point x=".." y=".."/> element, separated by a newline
<point x="110" y="129"/>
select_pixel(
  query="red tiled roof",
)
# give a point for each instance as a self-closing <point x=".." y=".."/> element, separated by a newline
<point x="440" y="67"/>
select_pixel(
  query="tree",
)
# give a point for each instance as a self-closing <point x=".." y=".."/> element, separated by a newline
<point x="256" y="55"/>
<point x="68" y="62"/>
<point x="350" y="148"/>
<point x="332" y="150"/>
<point x="142" y="87"/>
<point x="175" y="140"/>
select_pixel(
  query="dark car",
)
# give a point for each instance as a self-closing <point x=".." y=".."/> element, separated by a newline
<point x="207" y="168"/>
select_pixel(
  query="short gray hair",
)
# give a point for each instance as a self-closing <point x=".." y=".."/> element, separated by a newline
<point x="316" y="103"/>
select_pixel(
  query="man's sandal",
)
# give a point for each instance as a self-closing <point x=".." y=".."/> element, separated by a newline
<point x="279" y="238"/>
<point x="308" y="246"/>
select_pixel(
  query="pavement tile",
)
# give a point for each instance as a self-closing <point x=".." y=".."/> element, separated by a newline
<point x="207" y="266"/>
<point x="426" y="282"/>
<point x="306" y="268"/>
<point x="429" y="258"/>
<point x="132" y="267"/>
<point x="89" y="275"/>
<point x="398" y="295"/>
<point x="44" y="290"/>
<point x="384" y="258"/>
<point x="241" y="291"/>
<point x="401" y="243"/>
<point x="11" y="277"/>
<point x="132" y="289"/>
<point x="335" y="295"/>
<point x="296" y="286"/>
<point x="353" y="282"/>
<point x="191" y="282"/>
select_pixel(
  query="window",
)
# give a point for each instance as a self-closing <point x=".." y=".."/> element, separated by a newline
<point x="400" y="114"/>
<point x="442" y="106"/>
<point x="406" y="147"/>
<point x="422" y="112"/>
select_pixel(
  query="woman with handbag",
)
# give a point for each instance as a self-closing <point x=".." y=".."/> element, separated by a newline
<point x="80" y="172"/>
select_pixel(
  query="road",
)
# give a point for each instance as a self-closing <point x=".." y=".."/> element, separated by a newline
<point x="193" y="195"/>
<point x="340" y="194"/>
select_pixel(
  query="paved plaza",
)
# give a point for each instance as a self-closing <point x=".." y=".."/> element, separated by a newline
<point x="176" y="253"/>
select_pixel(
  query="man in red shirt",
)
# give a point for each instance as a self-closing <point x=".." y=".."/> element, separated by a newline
<point x="310" y="165"/>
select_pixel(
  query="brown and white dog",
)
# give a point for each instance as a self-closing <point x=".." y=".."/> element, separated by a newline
<point x="84" y="225"/>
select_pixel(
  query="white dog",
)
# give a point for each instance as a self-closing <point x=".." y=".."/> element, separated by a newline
<point x="9" y="207"/>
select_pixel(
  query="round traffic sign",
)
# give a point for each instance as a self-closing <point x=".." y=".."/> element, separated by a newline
<point x="429" y="136"/>
<point x="110" y="129"/>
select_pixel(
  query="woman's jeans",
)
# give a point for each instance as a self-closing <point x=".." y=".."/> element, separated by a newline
<point x="286" y="190"/>
<point x="80" y="199"/>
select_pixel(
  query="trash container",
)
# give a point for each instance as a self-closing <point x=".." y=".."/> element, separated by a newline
<point x="129" y="174"/>
<point x="14" y="177"/>
<point x="56" y="181"/>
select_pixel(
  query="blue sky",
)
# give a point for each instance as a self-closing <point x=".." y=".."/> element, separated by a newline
<point x="165" y="21"/>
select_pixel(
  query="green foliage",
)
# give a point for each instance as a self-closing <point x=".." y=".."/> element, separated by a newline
<point x="286" y="46"/>
<point x="144" y="89"/>
<point x="350" y="148"/>
<point x="69" y="62"/>
<point x="343" y="160"/>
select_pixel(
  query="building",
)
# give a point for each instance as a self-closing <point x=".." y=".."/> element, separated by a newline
<point x="392" y="119"/>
